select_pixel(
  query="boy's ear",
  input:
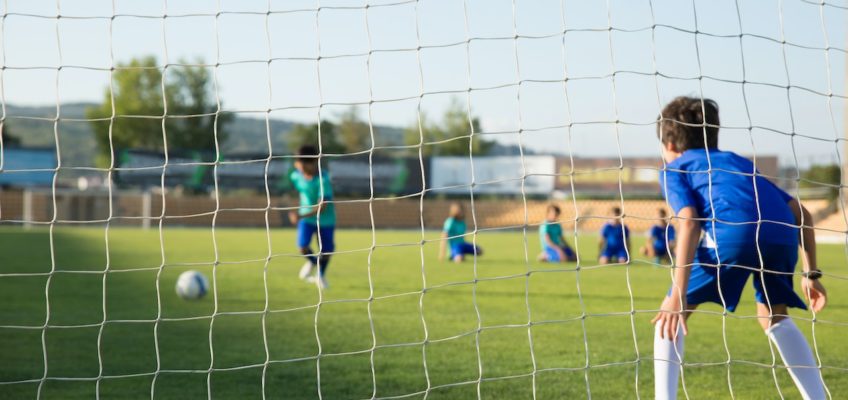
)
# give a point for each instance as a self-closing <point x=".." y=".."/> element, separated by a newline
<point x="670" y="146"/>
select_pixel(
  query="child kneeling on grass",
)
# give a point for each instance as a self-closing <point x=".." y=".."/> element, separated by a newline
<point x="554" y="246"/>
<point x="453" y="234"/>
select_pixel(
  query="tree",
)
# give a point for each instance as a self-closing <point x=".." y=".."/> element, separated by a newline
<point x="8" y="138"/>
<point x="354" y="133"/>
<point x="452" y="134"/>
<point x="139" y="106"/>
<point x="308" y="135"/>
<point x="823" y="174"/>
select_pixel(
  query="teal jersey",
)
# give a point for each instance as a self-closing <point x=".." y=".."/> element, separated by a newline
<point x="455" y="229"/>
<point x="311" y="192"/>
<point x="552" y="229"/>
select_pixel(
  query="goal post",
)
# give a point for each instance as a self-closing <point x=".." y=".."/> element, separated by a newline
<point x="371" y="198"/>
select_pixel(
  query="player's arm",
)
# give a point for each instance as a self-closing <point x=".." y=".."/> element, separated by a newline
<point x="813" y="289"/>
<point x="671" y="314"/>
<point x="602" y="242"/>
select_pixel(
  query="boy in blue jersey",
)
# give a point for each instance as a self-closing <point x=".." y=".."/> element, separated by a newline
<point x="615" y="240"/>
<point x="660" y="239"/>
<point x="554" y="246"/>
<point x="316" y="215"/>
<point x="452" y="234"/>
<point x="750" y="227"/>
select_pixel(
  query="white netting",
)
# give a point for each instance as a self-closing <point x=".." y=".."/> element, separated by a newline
<point x="543" y="85"/>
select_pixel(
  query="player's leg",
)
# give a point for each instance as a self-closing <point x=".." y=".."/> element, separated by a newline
<point x="465" y="248"/>
<point x="569" y="254"/>
<point x="668" y="358"/>
<point x="456" y="252"/>
<point x="305" y="231"/>
<point x="703" y="287"/>
<point x="794" y="350"/>
<point x="605" y="256"/>
<point x="550" y="254"/>
<point x="773" y="311"/>
<point x="623" y="257"/>
<point x="326" y="236"/>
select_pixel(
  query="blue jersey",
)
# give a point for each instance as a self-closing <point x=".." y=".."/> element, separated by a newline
<point x="614" y="237"/>
<point x="658" y="236"/>
<point x="723" y="188"/>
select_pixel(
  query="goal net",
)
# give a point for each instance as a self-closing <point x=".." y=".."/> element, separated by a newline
<point x="142" y="140"/>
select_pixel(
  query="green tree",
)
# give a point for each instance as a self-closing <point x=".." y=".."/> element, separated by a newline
<point x="8" y="138"/>
<point x="139" y="106"/>
<point x="308" y="135"/>
<point x="354" y="133"/>
<point x="827" y="174"/>
<point x="452" y="134"/>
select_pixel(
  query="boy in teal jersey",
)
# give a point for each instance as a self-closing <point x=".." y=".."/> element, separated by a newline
<point x="316" y="215"/>
<point x="452" y="234"/>
<point x="554" y="246"/>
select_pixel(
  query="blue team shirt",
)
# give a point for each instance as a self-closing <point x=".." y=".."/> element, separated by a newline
<point x="658" y="234"/>
<point x="612" y="234"/>
<point x="687" y="182"/>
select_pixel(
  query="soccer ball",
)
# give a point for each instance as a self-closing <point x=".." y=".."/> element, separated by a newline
<point x="192" y="285"/>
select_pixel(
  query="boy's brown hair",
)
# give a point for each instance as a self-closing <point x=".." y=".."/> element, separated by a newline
<point x="689" y="123"/>
<point x="555" y="208"/>
<point x="307" y="153"/>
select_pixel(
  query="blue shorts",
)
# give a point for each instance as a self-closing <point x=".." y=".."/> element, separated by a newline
<point x="553" y="255"/>
<point x="306" y="230"/>
<point x="463" y="248"/>
<point x="660" y="251"/>
<point x="614" y="253"/>
<point x="737" y="263"/>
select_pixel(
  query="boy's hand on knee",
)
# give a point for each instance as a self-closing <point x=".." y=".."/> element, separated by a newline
<point x="815" y="293"/>
<point x="671" y="316"/>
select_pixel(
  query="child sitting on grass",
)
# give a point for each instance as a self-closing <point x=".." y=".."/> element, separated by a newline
<point x="615" y="240"/>
<point x="660" y="239"/>
<point x="453" y="235"/>
<point x="554" y="246"/>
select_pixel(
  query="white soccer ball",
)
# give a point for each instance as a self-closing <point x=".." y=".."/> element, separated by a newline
<point x="192" y="285"/>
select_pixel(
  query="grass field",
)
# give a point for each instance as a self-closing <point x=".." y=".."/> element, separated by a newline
<point x="333" y="339"/>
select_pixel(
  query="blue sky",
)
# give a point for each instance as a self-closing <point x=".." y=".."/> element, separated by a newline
<point x="517" y="82"/>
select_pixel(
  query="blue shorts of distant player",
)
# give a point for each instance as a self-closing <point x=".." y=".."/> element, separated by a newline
<point x="552" y="255"/>
<point x="307" y="229"/>
<point x="723" y="283"/>
<point x="464" y="248"/>
<point x="614" y="253"/>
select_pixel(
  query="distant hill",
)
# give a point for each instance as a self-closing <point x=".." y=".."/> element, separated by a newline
<point x="34" y="126"/>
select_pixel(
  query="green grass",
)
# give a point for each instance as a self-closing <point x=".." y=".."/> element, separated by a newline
<point x="306" y="334"/>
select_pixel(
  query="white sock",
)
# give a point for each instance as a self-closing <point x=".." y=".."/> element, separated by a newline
<point x="667" y="356"/>
<point x="797" y="356"/>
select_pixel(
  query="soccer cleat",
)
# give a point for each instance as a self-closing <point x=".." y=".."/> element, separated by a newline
<point x="306" y="271"/>
<point x="322" y="283"/>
